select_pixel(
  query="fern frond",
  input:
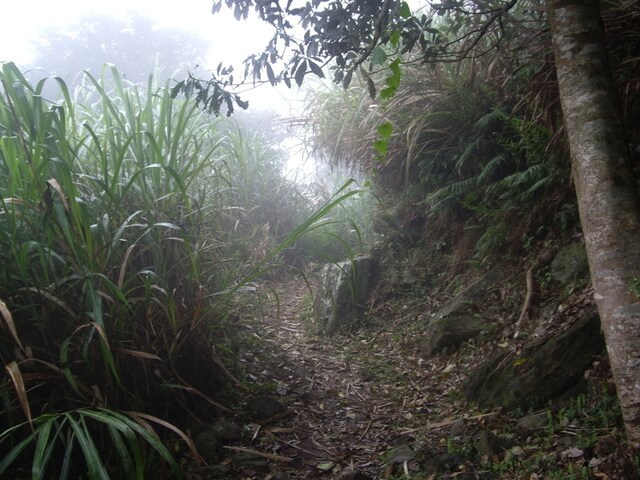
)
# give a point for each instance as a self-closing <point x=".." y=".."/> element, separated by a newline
<point x="497" y="163"/>
<point x="489" y="119"/>
<point x="511" y="187"/>
<point x="453" y="190"/>
<point x="467" y="154"/>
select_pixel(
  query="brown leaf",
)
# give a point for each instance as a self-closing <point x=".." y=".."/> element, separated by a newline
<point x="21" y="391"/>
<point x="8" y="319"/>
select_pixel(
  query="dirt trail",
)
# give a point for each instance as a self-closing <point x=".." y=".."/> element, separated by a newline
<point x="339" y="420"/>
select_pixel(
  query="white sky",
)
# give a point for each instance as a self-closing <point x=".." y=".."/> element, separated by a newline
<point x="230" y="41"/>
<point x="23" y="18"/>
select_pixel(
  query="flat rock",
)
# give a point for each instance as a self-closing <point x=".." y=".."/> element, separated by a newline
<point x="446" y="333"/>
<point x="459" y="319"/>
<point x="458" y="428"/>
<point x="226" y="431"/>
<point x="545" y="369"/>
<point x="401" y="454"/>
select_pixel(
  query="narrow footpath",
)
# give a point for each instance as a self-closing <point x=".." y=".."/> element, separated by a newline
<point x="344" y="419"/>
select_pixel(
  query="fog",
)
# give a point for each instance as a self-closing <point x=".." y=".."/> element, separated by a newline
<point x="66" y="37"/>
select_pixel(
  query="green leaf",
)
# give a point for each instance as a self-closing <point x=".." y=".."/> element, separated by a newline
<point x="395" y="67"/>
<point x="387" y="93"/>
<point x="176" y="89"/>
<point x="393" y="82"/>
<point x="381" y="146"/>
<point x="10" y="456"/>
<point x="95" y="467"/>
<point x="405" y="11"/>
<point x="394" y="40"/>
<point x="325" y="466"/>
<point x="44" y="448"/>
<point x="385" y="130"/>
<point x="378" y="57"/>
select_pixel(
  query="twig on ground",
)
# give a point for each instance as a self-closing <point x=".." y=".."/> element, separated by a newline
<point x="269" y="456"/>
<point x="445" y="423"/>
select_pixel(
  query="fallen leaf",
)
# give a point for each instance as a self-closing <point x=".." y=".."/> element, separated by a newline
<point x="572" y="452"/>
<point x="325" y="466"/>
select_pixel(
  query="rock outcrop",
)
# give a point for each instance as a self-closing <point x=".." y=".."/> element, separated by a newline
<point x="545" y="369"/>
<point x="344" y="288"/>
<point x="459" y="320"/>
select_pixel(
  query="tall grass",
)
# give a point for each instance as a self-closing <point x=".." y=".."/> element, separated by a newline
<point x="103" y="199"/>
<point x="127" y="219"/>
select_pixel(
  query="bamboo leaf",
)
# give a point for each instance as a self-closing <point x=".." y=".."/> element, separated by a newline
<point x="18" y="384"/>
<point x="8" y="319"/>
<point x="91" y="454"/>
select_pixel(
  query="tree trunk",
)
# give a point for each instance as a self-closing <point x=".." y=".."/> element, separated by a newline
<point x="608" y="199"/>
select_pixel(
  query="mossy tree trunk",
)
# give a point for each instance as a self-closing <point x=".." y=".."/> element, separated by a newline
<point x="607" y="194"/>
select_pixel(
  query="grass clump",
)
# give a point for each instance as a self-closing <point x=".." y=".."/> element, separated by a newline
<point x="105" y="267"/>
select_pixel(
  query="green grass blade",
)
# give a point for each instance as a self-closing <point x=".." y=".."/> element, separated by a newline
<point x="96" y="469"/>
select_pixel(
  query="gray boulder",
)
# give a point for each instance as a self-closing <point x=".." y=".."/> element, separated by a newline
<point x="344" y="288"/>
<point x="545" y="369"/>
<point x="459" y="320"/>
<point x="447" y="333"/>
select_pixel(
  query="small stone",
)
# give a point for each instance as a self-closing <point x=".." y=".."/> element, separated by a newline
<point x="570" y="264"/>
<point x="401" y="454"/>
<point x="533" y="422"/>
<point x="404" y="439"/>
<point x="277" y="475"/>
<point x="262" y="407"/>
<point x="517" y="451"/>
<point x="572" y="452"/>
<point x="207" y="445"/>
<point x="344" y="287"/>
<point x="409" y="278"/>
<point x="442" y="464"/>
<point x="226" y="431"/>
<point x="513" y="453"/>
<point x="458" y="428"/>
